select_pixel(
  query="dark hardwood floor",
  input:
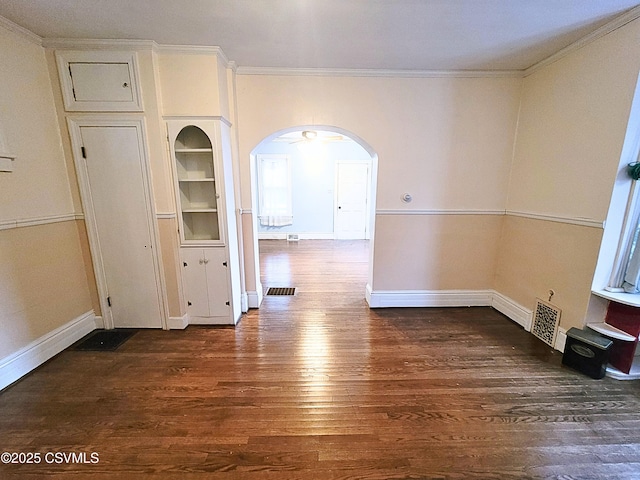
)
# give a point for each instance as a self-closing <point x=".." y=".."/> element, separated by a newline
<point x="317" y="386"/>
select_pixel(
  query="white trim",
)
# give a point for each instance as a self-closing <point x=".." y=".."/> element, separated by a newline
<point x="347" y="72"/>
<point x="99" y="322"/>
<point x="97" y="44"/>
<point x="227" y="320"/>
<point x="18" y="364"/>
<point x="74" y="125"/>
<point x="606" y="29"/>
<point x="301" y="236"/>
<point x="516" y="312"/>
<point x="428" y="298"/>
<point x="561" y="340"/>
<point x="451" y="298"/>
<point x="64" y="58"/>
<point x="630" y="299"/>
<point x="438" y="212"/>
<point x="19" y="30"/>
<point x="30" y="222"/>
<point x="255" y="298"/>
<point x="244" y="302"/>
<point x="585" y="222"/>
<point x="166" y="215"/>
<point x="193" y="50"/>
<point x="178" y="323"/>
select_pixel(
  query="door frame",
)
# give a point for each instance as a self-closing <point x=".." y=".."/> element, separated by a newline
<point x="368" y="213"/>
<point x="74" y="124"/>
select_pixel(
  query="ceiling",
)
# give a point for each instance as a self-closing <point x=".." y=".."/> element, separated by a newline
<point x="335" y="34"/>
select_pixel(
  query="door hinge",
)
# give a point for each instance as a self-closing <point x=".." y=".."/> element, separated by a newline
<point x="84" y="152"/>
<point x="109" y="301"/>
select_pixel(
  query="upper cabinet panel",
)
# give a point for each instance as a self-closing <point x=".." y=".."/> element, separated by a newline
<point x="99" y="81"/>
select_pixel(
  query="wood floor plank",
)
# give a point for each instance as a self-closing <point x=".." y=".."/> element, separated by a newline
<point x="319" y="386"/>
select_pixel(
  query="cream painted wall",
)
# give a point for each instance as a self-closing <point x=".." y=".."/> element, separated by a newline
<point x="43" y="283"/>
<point x="446" y="141"/>
<point x="570" y="136"/>
<point x="537" y="255"/>
<point x="455" y="252"/>
<point x="191" y="84"/>
<point x="39" y="185"/>
<point x="572" y="126"/>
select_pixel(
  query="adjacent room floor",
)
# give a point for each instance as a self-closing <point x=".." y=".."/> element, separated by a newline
<point x="317" y="386"/>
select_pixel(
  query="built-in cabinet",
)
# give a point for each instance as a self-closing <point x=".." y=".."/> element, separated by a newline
<point x="206" y="219"/>
<point x="104" y="81"/>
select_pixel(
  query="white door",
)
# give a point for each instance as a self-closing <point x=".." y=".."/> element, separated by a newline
<point x="217" y="282"/>
<point x="352" y="200"/>
<point x="206" y="284"/>
<point x="195" y="278"/>
<point x="119" y="205"/>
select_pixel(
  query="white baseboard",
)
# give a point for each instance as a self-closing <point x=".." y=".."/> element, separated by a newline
<point x="178" y="323"/>
<point x="428" y="298"/>
<point x="516" y="312"/>
<point x="561" y="340"/>
<point x="99" y="321"/>
<point x="458" y="298"/>
<point x="18" y="364"/>
<point x="301" y="236"/>
<point x="211" y="321"/>
<point x="254" y="299"/>
<point x="244" y="302"/>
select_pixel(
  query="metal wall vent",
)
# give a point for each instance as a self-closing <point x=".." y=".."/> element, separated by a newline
<point x="281" y="291"/>
<point x="545" y="322"/>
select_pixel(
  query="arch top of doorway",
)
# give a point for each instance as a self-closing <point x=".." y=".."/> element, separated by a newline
<point x="326" y="128"/>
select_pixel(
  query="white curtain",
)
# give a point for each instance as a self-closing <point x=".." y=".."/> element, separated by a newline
<point x="275" y="191"/>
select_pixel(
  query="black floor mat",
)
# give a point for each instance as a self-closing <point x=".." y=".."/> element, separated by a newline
<point x="104" y="340"/>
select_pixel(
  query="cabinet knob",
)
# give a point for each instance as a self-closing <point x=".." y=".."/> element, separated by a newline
<point x="125" y="85"/>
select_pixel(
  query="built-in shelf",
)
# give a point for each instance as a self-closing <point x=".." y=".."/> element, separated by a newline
<point x="194" y="150"/>
<point x="634" y="373"/>
<point x="611" y="331"/>
<point x="631" y="299"/>
<point x="197" y="195"/>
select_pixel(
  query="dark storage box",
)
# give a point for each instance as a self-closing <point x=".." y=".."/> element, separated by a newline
<point x="587" y="352"/>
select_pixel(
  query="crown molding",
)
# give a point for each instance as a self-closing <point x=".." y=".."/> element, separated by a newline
<point x="23" y="32"/>
<point x="97" y="44"/>
<point x="604" y="30"/>
<point x="345" y="72"/>
<point x="194" y="50"/>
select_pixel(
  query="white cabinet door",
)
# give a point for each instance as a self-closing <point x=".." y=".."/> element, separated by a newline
<point x="207" y="285"/>
<point x="217" y="281"/>
<point x="195" y="277"/>
<point x="99" y="81"/>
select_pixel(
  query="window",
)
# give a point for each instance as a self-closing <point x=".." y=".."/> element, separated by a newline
<point x="274" y="190"/>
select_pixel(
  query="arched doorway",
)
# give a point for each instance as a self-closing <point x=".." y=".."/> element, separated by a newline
<point x="327" y="174"/>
